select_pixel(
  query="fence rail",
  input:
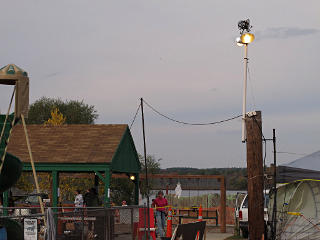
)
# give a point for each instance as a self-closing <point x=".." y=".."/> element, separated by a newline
<point x="80" y="223"/>
<point x="115" y="223"/>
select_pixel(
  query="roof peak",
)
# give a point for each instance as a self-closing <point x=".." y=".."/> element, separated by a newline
<point x="12" y="69"/>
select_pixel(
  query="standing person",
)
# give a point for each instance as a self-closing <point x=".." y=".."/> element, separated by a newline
<point x="78" y="201"/>
<point x="91" y="198"/>
<point x="160" y="202"/>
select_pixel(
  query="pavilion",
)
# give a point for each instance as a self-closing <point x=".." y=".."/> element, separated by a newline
<point x="78" y="148"/>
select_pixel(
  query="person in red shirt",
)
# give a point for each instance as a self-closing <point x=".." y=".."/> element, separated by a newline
<point x="160" y="204"/>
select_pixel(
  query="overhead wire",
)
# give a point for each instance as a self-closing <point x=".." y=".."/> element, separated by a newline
<point x="293" y="153"/>
<point x="188" y="123"/>
<point x="3" y="157"/>
<point x="7" y="115"/>
<point x="135" y="116"/>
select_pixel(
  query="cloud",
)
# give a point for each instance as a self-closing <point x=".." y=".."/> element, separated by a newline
<point x="285" y="32"/>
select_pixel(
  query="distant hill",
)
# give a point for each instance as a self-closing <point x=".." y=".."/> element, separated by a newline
<point x="235" y="177"/>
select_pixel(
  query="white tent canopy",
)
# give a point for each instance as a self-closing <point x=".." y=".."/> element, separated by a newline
<point x="298" y="210"/>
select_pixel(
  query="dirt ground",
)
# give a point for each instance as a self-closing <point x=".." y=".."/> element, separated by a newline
<point x="218" y="236"/>
<point x="213" y="233"/>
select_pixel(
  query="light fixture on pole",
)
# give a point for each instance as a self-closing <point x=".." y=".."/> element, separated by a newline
<point x="245" y="38"/>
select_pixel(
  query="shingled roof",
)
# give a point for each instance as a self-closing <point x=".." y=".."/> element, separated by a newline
<point x="77" y="143"/>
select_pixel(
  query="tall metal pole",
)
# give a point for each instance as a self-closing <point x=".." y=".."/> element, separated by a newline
<point x="244" y="99"/>
<point x="274" y="211"/>
<point x="146" y="167"/>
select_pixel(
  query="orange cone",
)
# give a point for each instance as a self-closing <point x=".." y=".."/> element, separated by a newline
<point x="169" y="224"/>
<point x="199" y="219"/>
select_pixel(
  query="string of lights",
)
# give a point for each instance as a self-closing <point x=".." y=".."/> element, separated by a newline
<point x="188" y="123"/>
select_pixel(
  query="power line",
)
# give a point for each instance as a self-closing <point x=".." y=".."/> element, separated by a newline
<point x="135" y="116"/>
<point x="187" y="123"/>
<point x="293" y="153"/>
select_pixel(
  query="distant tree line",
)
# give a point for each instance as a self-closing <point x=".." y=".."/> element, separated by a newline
<point x="236" y="178"/>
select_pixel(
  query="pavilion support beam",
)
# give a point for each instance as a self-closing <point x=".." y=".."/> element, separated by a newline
<point x="136" y="190"/>
<point x="55" y="186"/>
<point x="96" y="182"/>
<point x="107" y="187"/>
<point x="5" y="196"/>
<point x="99" y="175"/>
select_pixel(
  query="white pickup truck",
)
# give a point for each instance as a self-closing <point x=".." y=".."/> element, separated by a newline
<point x="242" y="213"/>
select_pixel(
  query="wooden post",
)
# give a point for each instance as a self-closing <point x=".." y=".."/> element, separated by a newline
<point x="33" y="167"/>
<point x="223" y="205"/>
<point x="255" y="176"/>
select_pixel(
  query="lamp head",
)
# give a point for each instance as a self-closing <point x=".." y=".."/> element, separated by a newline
<point x="247" y="38"/>
<point x="132" y="177"/>
<point x="239" y="42"/>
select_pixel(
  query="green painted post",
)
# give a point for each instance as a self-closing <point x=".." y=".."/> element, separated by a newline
<point x="136" y="190"/>
<point x="55" y="185"/>
<point x="5" y="202"/>
<point x="107" y="187"/>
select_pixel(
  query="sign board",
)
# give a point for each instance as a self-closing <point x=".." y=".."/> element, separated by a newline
<point x="30" y="229"/>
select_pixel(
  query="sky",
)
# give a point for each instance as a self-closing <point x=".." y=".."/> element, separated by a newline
<point x="181" y="57"/>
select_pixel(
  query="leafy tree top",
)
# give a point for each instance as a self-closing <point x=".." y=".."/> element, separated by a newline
<point x="74" y="111"/>
<point x="56" y="119"/>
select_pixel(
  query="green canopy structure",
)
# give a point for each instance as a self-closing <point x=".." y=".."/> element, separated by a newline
<point x="101" y="149"/>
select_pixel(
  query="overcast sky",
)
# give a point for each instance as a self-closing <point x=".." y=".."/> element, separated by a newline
<point x="181" y="57"/>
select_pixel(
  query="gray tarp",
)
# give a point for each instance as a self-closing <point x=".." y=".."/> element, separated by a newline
<point x="307" y="167"/>
<point x="288" y="174"/>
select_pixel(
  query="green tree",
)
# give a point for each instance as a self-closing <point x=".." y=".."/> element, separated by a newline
<point x="57" y="118"/>
<point x="153" y="165"/>
<point x="123" y="189"/>
<point x="75" y="112"/>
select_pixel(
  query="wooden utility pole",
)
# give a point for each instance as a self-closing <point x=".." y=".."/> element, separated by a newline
<point x="223" y="205"/>
<point x="146" y="171"/>
<point x="255" y="175"/>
